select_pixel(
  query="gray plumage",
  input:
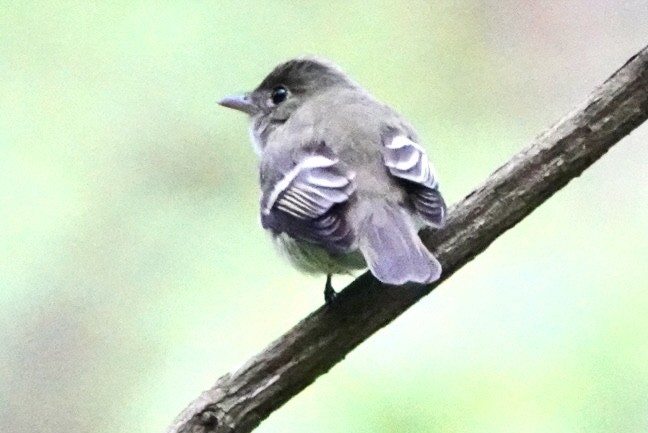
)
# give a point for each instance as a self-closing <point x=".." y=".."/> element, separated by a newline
<point x="345" y="183"/>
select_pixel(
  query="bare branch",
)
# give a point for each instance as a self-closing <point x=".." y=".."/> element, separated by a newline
<point x="239" y="401"/>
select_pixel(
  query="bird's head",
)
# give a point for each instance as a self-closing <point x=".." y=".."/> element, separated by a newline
<point x="284" y="90"/>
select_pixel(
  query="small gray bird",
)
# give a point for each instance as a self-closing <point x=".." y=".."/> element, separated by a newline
<point x="345" y="183"/>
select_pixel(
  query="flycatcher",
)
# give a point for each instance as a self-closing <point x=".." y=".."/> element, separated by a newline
<point x="345" y="183"/>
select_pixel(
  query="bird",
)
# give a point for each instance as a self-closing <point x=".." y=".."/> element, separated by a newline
<point x="345" y="182"/>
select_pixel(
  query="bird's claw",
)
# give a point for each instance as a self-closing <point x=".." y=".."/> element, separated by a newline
<point x="330" y="295"/>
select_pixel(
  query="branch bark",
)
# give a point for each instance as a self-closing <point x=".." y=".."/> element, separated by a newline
<point x="240" y="400"/>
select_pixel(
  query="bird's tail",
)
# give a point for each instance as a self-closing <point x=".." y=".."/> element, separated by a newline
<point x="392" y="248"/>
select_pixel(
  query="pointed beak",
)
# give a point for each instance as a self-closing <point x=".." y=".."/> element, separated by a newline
<point x="239" y="102"/>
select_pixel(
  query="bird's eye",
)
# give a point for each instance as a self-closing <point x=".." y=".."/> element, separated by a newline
<point x="279" y="94"/>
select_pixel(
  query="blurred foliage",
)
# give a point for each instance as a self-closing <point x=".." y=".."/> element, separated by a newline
<point x="133" y="270"/>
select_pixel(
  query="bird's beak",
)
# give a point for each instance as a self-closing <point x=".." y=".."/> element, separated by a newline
<point x="239" y="102"/>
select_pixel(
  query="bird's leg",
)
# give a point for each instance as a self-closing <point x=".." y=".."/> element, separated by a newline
<point x="329" y="293"/>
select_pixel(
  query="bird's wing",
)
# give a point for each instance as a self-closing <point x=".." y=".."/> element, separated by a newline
<point x="306" y="200"/>
<point x="408" y="161"/>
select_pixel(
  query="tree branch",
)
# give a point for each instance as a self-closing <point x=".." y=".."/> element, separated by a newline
<point x="240" y="400"/>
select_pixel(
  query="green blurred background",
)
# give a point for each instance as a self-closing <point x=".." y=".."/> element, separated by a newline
<point x="134" y="272"/>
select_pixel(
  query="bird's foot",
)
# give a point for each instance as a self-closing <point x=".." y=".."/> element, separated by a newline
<point x="330" y="295"/>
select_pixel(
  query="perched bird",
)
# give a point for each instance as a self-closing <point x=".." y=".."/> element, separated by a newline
<point x="345" y="183"/>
